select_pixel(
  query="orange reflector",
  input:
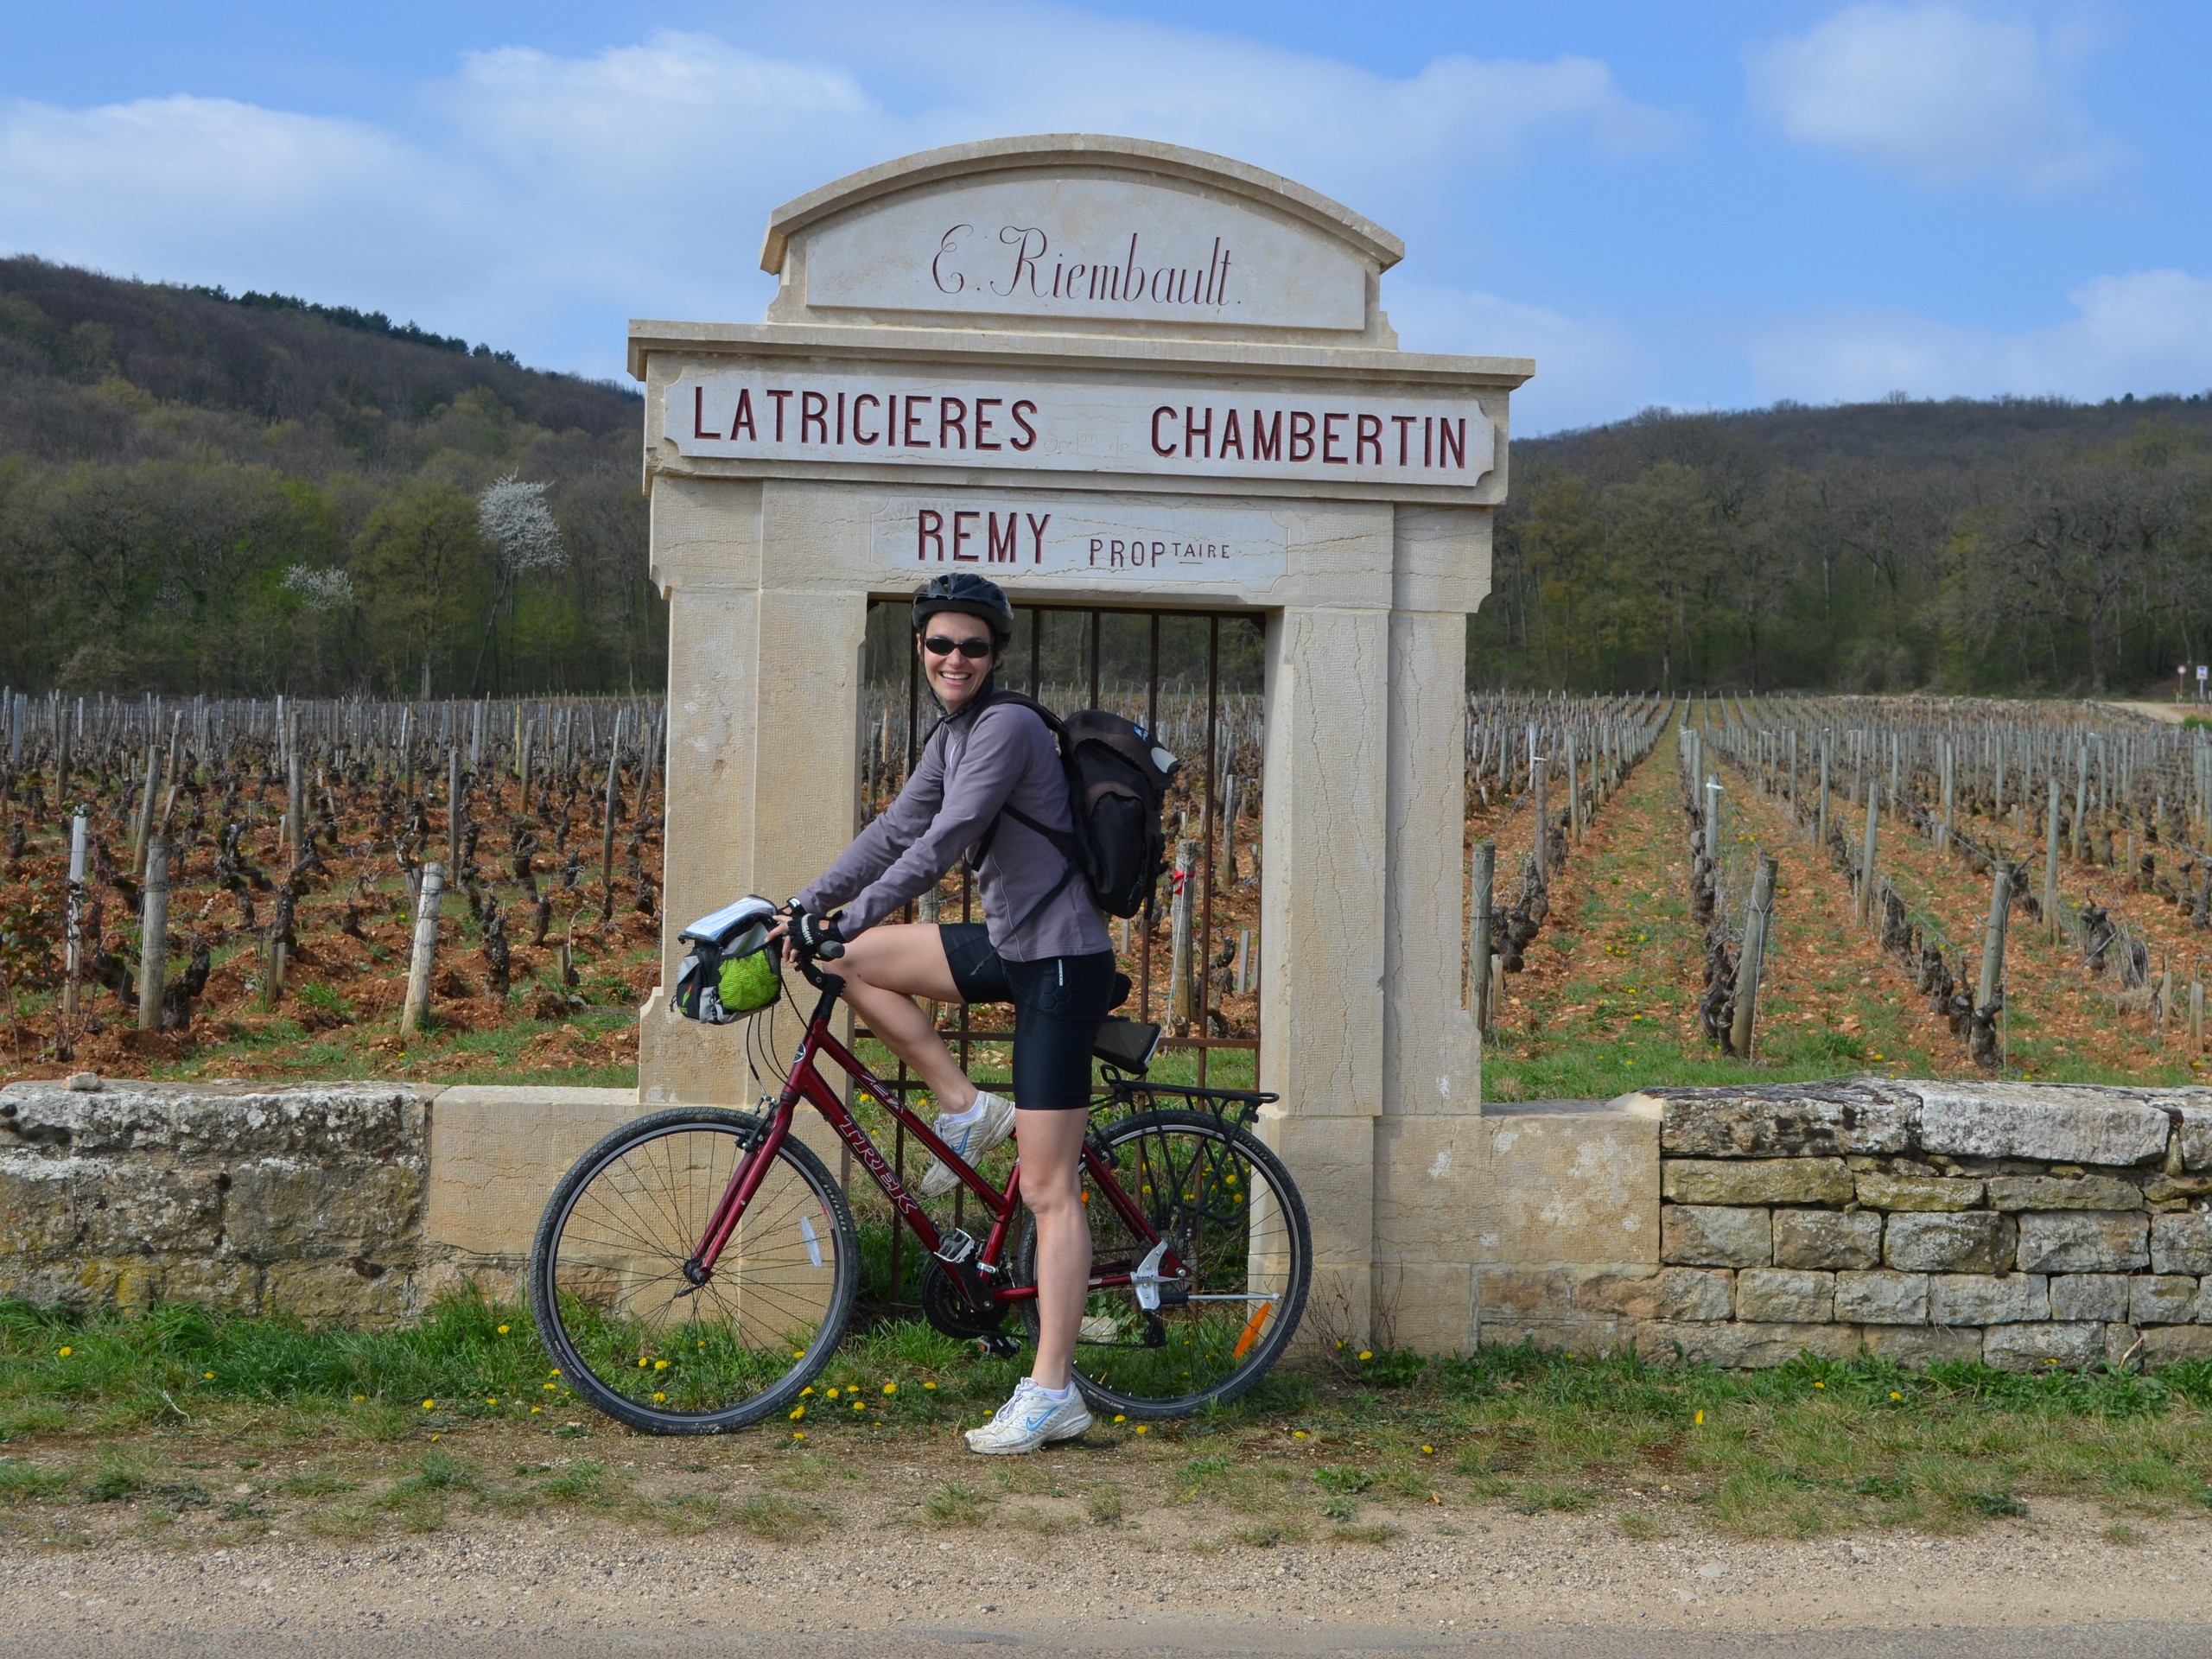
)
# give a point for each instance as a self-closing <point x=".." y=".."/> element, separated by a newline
<point x="1251" y="1329"/>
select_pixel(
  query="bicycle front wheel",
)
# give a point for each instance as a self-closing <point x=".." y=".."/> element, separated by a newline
<point x="1226" y="1207"/>
<point x="631" y="1332"/>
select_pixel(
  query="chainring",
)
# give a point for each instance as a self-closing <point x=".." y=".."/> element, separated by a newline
<point x="945" y="1308"/>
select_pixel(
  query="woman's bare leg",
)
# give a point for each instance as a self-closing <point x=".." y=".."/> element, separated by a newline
<point x="1051" y="1186"/>
<point x="884" y="970"/>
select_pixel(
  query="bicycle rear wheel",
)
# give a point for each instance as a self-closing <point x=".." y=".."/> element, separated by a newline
<point x="631" y="1332"/>
<point x="1227" y="1207"/>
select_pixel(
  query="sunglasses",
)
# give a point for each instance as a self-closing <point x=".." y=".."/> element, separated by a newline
<point x="938" y="645"/>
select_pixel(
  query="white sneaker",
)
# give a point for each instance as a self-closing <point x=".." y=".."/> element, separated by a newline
<point x="992" y="1123"/>
<point x="1030" y="1419"/>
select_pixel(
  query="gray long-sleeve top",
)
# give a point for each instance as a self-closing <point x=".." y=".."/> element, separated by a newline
<point x="976" y="764"/>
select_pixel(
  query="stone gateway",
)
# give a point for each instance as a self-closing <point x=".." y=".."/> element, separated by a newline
<point x="1111" y="373"/>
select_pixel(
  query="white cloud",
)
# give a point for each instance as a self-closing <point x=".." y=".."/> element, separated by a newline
<point x="1588" y="369"/>
<point x="2145" y="332"/>
<point x="537" y="201"/>
<point x="1937" y="94"/>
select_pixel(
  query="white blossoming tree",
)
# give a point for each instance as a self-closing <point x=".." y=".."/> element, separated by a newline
<point x="520" y="531"/>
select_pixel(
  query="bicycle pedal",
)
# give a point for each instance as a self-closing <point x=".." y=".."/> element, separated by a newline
<point x="998" y="1345"/>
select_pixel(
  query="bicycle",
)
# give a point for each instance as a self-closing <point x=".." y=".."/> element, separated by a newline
<point x="697" y="1269"/>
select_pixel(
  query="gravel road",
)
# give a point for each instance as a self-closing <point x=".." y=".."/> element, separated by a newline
<point x="1537" y="1585"/>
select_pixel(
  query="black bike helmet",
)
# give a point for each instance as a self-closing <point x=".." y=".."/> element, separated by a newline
<point x="971" y="594"/>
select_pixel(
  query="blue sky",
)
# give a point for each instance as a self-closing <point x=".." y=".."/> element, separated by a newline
<point x="1717" y="205"/>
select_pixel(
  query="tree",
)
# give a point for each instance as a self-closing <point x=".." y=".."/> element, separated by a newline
<point x="419" y="564"/>
<point x="516" y="524"/>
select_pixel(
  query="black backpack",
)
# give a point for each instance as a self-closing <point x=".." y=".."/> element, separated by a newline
<point x="1118" y="780"/>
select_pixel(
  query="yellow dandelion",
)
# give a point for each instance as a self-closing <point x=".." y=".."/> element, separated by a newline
<point x="833" y="1394"/>
<point x="534" y="1410"/>
<point x="860" y="1405"/>
<point x="489" y="1401"/>
<point x="1894" y="1394"/>
<point x="798" y="1412"/>
<point x="931" y="1387"/>
<point x="891" y="1387"/>
<point x="799" y="1434"/>
<point x="66" y="1352"/>
<point x="1121" y="1417"/>
<point x="1297" y="1433"/>
<point x="1700" y="1418"/>
<point x="1820" y="1385"/>
<point x="1143" y="1427"/>
<point x="798" y="1353"/>
<point x="808" y="1389"/>
<point x="660" y="1364"/>
<point x="209" y="1376"/>
<point x="435" y="1437"/>
<point x="429" y="1405"/>
<point x="358" y="1398"/>
<point x="555" y="1371"/>
<point x="1428" y="1451"/>
<point x="659" y="1399"/>
<point x="503" y="1330"/>
<point x="1367" y="1353"/>
<point x="643" y="1362"/>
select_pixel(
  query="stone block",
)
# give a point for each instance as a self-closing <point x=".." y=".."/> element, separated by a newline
<point x="1882" y="1297"/>
<point x="1428" y="1307"/>
<point x="1988" y="1298"/>
<point x="38" y="1202"/>
<point x="2181" y="1242"/>
<point x="2196" y="1131"/>
<point x="2161" y="1299"/>
<point x="496" y="1153"/>
<point x="2088" y="1296"/>
<point x="1572" y="1333"/>
<point x="1704" y="1236"/>
<point x="2031" y="1347"/>
<point x="1755" y="1180"/>
<point x="1938" y="1193"/>
<point x="377" y="1121"/>
<point x="210" y="1282"/>
<point x="2086" y="1241"/>
<point x="2165" y="1344"/>
<point x="1922" y="1345"/>
<point x="1974" y="1241"/>
<point x="1740" y="1344"/>
<point x="1670" y="1294"/>
<point x="132" y="1210"/>
<point x="280" y="1209"/>
<point x="1580" y="1188"/>
<point x="338" y="1291"/>
<point x="2062" y="1124"/>
<point x="1785" y="1296"/>
<point x="1509" y="1292"/>
<point x="1829" y="1239"/>
<point x="2064" y="1193"/>
<point x="1787" y="1120"/>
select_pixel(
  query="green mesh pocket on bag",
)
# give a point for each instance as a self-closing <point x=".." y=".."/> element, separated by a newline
<point x="748" y="984"/>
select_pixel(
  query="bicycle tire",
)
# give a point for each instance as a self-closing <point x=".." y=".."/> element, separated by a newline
<point x="609" y="1253"/>
<point x="1128" y="1374"/>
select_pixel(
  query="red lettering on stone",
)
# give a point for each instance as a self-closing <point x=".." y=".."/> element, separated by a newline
<point x="1451" y="443"/>
<point x="913" y="416"/>
<point x="780" y="396"/>
<point x="1000" y="549"/>
<point x="813" y="411"/>
<point x="961" y="535"/>
<point x="1232" y="438"/>
<point x="1368" y="435"/>
<point x="983" y="423"/>
<point x="928" y="532"/>
<point x="860" y="436"/>
<point x="1266" y="436"/>
<point x="699" y="416"/>
<point x="1301" y="433"/>
<point x="951" y="420"/>
<point x="1036" y="533"/>
<point x="1158" y="447"/>
<point x="1329" y="423"/>
<point x="1402" y="422"/>
<point x="1194" y="431"/>
<point x="742" y="421"/>
<point x="1021" y="411"/>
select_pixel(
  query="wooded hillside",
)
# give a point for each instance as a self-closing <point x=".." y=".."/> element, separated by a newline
<point x="246" y="495"/>
<point x="2020" y="545"/>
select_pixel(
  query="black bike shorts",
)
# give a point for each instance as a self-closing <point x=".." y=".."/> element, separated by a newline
<point x="1058" y="1002"/>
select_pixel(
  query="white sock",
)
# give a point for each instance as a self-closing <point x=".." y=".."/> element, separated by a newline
<point x="1055" y="1395"/>
<point x="956" y="1119"/>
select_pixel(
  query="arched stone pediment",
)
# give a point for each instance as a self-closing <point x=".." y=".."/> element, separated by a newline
<point x="1084" y="234"/>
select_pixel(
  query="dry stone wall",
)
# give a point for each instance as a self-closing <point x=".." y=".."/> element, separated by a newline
<point x="347" y="1201"/>
<point x="2021" y="1224"/>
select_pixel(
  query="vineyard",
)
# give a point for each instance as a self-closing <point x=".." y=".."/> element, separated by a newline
<point x="1774" y="886"/>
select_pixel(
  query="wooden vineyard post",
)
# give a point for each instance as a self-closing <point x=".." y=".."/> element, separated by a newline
<point x="1713" y="821"/>
<point x="296" y="838"/>
<point x="143" y="827"/>
<point x="2196" y="1016"/>
<point x="1573" y="792"/>
<point x="424" y="955"/>
<point x="1821" y="827"/>
<point x="1538" y="767"/>
<point x="1991" y="986"/>
<point x="453" y="806"/>
<point x="1866" y="911"/>
<point x="153" y="935"/>
<point x="2050" y="864"/>
<point x="1947" y="760"/>
<point x="1183" y="997"/>
<point x="1751" y="960"/>
<point x="2081" y="802"/>
<point x="522" y="763"/>
<point x="74" y="964"/>
<point x="1479" y="913"/>
<point x="607" y="831"/>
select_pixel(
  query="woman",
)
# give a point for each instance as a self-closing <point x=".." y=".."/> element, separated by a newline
<point x="1042" y="946"/>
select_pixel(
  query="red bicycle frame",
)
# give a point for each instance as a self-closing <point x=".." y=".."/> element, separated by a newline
<point x="806" y="1083"/>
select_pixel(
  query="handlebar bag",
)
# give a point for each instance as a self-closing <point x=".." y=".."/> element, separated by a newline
<point x="730" y="972"/>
